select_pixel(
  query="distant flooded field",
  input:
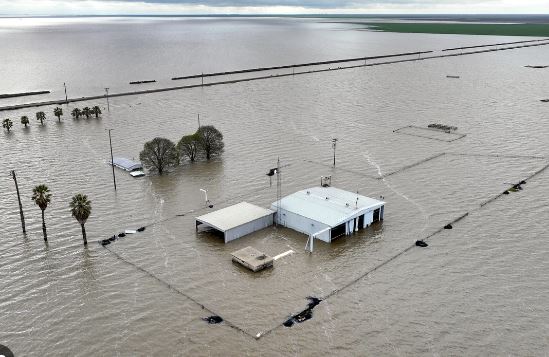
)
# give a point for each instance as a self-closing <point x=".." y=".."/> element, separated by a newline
<point x="477" y="289"/>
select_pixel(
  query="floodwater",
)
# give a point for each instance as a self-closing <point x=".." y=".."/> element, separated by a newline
<point x="478" y="289"/>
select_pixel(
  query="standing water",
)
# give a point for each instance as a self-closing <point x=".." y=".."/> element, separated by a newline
<point x="478" y="289"/>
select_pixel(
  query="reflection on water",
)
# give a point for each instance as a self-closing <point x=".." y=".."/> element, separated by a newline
<point x="472" y="291"/>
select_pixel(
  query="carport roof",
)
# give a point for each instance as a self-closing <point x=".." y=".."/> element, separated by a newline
<point x="234" y="216"/>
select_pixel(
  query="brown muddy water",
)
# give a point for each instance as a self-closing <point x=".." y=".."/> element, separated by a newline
<point x="478" y="289"/>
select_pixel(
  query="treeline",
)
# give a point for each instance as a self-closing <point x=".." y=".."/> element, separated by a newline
<point x="57" y="112"/>
<point x="160" y="154"/>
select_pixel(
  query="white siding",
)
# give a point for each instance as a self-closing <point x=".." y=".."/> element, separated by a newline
<point x="248" y="228"/>
<point x="302" y="224"/>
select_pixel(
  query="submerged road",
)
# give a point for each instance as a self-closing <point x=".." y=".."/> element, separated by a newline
<point x="431" y="55"/>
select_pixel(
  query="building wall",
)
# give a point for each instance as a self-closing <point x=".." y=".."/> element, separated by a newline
<point x="248" y="228"/>
<point x="302" y="224"/>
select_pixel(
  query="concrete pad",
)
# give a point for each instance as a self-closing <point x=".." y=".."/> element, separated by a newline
<point x="252" y="259"/>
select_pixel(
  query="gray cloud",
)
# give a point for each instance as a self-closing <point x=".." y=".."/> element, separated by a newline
<point x="318" y="4"/>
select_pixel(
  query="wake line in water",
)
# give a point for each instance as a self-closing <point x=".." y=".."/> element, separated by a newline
<point x="384" y="180"/>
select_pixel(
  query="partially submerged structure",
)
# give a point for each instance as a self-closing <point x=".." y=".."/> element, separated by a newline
<point x="327" y="213"/>
<point x="236" y="221"/>
<point x="134" y="168"/>
<point x="252" y="259"/>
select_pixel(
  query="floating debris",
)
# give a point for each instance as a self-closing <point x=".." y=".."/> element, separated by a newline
<point x="105" y="242"/>
<point x="214" y="319"/>
<point x="112" y="239"/>
<point x="545" y="100"/>
<point x="446" y="128"/>
<point x="448" y="226"/>
<point x="121" y="235"/>
<point x="506" y="192"/>
<point x="141" y="229"/>
<point x="421" y="243"/>
<point x="305" y="314"/>
<point x="143" y="82"/>
<point x="456" y="77"/>
<point x="537" y="67"/>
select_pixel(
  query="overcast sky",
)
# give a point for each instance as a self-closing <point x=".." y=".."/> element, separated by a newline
<point x="113" y="7"/>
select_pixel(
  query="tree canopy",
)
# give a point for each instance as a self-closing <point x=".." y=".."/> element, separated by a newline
<point x="7" y="123"/>
<point x="159" y="154"/>
<point x="41" y="116"/>
<point x="81" y="210"/>
<point x="189" y="146"/>
<point x="25" y="120"/>
<point x="58" y="112"/>
<point x="210" y="140"/>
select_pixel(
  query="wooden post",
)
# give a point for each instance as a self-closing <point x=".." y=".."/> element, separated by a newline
<point x="19" y="199"/>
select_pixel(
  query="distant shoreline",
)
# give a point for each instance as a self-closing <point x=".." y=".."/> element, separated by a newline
<point x="466" y="18"/>
<point x="488" y="29"/>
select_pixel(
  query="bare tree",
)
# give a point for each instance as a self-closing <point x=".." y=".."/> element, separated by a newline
<point x="211" y="141"/>
<point x="188" y="146"/>
<point x="159" y="154"/>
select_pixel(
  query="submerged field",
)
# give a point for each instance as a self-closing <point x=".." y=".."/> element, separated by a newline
<point x="534" y="30"/>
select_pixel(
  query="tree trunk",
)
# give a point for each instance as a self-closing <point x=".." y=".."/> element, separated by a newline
<point x="84" y="234"/>
<point x="44" y="227"/>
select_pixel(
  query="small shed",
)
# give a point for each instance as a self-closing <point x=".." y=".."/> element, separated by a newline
<point x="236" y="221"/>
<point x="327" y="213"/>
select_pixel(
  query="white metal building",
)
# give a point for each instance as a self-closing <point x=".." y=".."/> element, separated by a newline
<point x="327" y="213"/>
<point x="236" y="221"/>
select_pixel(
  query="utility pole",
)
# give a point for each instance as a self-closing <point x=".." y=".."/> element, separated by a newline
<point x="108" y="106"/>
<point x="198" y="120"/>
<point x="66" y="98"/>
<point x="334" y="142"/>
<point x="112" y="159"/>
<point x="19" y="199"/>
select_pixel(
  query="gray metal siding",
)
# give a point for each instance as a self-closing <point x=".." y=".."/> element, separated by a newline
<point x="248" y="228"/>
<point x="303" y="224"/>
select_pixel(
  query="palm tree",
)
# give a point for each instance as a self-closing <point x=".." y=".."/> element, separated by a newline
<point x="25" y="120"/>
<point x="7" y="123"/>
<point x="41" y="196"/>
<point x="87" y="112"/>
<point x="41" y="116"/>
<point x="96" y="110"/>
<point x="58" y="112"/>
<point x="76" y="113"/>
<point x="81" y="209"/>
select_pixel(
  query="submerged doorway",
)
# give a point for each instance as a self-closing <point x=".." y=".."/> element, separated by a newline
<point x="376" y="215"/>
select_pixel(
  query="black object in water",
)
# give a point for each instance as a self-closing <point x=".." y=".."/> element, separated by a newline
<point x="448" y="226"/>
<point x="522" y="182"/>
<point x="112" y="239"/>
<point x="506" y="192"/>
<point x="141" y="229"/>
<point x="421" y="243"/>
<point x="213" y="319"/>
<point x="121" y="234"/>
<point x="105" y="242"/>
<point x="305" y="314"/>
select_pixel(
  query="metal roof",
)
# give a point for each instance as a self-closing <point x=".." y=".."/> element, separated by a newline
<point x="329" y="205"/>
<point x="234" y="216"/>
<point x="126" y="164"/>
